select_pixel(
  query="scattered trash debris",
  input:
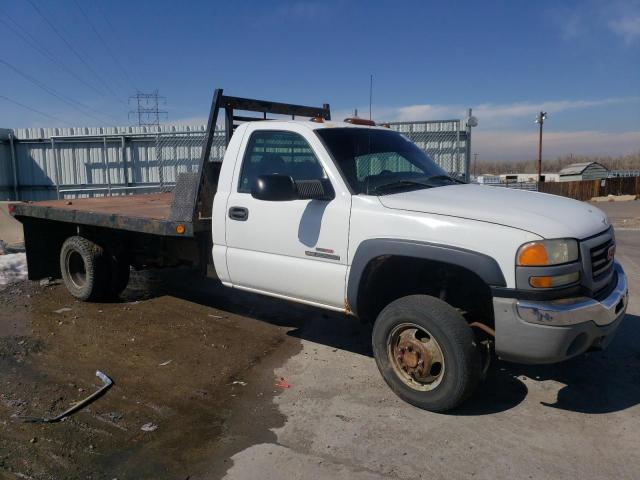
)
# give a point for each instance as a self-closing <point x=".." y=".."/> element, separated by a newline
<point x="107" y="382"/>
<point x="215" y="316"/>
<point x="45" y="282"/>
<point x="112" y="416"/>
<point x="165" y="363"/>
<point x="282" y="383"/>
<point x="239" y="382"/>
<point x="62" y="310"/>
<point x="34" y="440"/>
<point x="149" y="427"/>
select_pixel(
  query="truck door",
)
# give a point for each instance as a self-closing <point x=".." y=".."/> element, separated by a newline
<point x="292" y="249"/>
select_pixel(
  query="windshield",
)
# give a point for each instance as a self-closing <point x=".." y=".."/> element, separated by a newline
<point x="380" y="162"/>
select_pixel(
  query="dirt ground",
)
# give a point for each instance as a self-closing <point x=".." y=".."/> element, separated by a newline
<point x="174" y="361"/>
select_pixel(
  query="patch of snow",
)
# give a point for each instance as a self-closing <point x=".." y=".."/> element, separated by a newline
<point x="13" y="268"/>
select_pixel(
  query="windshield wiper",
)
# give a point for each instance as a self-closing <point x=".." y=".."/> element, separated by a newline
<point x="398" y="185"/>
<point x="443" y="177"/>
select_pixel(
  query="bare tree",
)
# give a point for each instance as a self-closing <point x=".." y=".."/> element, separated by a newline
<point x="624" y="162"/>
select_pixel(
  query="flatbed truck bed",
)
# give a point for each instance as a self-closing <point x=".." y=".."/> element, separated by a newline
<point x="147" y="213"/>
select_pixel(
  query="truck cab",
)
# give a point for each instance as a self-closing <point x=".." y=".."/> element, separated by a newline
<point x="356" y="218"/>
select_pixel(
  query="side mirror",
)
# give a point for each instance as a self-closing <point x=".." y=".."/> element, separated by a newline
<point x="281" y="188"/>
<point x="274" y="188"/>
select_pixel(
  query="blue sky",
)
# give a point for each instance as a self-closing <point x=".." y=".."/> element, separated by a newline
<point x="578" y="60"/>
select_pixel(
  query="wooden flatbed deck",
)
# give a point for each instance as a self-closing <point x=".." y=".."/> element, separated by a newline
<point x="154" y="206"/>
<point x="147" y="213"/>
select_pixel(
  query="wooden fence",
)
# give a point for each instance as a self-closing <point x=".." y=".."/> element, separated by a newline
<point x="588" y="189"/>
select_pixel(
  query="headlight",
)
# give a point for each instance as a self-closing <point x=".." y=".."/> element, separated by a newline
<point x="547" y="252"/>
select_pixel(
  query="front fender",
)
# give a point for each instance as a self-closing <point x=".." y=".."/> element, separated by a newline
<point x="482" y="265"/>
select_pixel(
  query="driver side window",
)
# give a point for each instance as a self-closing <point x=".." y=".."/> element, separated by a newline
<point x="277" y="152"/>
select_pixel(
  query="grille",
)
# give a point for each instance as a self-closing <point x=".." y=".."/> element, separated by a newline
<point x="600" y="264"/>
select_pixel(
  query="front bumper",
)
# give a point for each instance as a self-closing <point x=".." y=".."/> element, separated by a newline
<point x="549" y="332"/>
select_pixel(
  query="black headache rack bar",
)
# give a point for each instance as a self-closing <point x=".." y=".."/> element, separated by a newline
<point x="203" y="197"/>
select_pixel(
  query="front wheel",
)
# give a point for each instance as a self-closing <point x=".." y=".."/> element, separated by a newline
<point x="426" y="352"/>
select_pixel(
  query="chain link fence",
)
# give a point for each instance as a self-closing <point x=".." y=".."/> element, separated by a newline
<point x="180" y="152"/>
<point x="448" y="142"/>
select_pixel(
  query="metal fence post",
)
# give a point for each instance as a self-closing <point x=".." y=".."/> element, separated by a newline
<point x="457" y="127"/>
<point x="14" y="164"/>
<point x="105" y="160"/>
<point x="54" y="152"/>
<point x="159" y="162"/>
<point x="123" y="158"/>
<point x="467" y="160"/>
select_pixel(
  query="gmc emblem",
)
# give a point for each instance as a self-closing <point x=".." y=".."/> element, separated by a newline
<point x="611" y="252"/>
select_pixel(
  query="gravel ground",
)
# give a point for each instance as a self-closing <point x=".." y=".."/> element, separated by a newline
<point x="622" y="215"/>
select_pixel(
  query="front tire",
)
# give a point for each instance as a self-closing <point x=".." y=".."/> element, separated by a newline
<point x="426" y="352"/>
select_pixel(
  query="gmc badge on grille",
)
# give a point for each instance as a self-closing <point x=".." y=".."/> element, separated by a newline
<point x="611" y="252"/>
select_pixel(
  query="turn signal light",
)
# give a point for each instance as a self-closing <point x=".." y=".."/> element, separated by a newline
<point x="554" y="281"/>
<point x="533" y="254"/>
<point x="540" y="282"/>
<point x="180" y="229"/>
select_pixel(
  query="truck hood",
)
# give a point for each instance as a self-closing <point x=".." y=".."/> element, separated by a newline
<point x="549" y="216"/>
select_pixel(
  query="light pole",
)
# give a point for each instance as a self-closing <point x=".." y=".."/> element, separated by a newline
<point x="540" y="121"/>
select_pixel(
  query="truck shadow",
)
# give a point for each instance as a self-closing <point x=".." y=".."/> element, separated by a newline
<point x="598" y="382"/>
<point x="595" y="383"/>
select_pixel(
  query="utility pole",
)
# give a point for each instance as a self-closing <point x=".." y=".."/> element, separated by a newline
<point x="540" y="121"/>
<point x="370" y="94"/>
<point x="148" y="108"/>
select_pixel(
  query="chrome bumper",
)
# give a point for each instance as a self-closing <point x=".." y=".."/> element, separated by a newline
<point x="553" y="331"/>
<point x="572" y="311"/>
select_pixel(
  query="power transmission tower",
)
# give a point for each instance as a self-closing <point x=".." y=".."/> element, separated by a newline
<point x="148" y="111"/>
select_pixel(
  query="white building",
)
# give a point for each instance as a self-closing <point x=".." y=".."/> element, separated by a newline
<point x="528" y="177"/>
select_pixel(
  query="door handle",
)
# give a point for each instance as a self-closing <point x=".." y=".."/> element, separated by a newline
<point x="238" y="213"/>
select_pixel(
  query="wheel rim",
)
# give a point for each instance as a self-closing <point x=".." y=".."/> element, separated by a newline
<point x="76" y="269"/>
<point x="416" y="357"/>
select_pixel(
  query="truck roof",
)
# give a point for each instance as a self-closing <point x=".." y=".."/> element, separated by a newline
<point x="311" y="125"/>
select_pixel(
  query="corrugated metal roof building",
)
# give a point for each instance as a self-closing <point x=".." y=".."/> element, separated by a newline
<point x="583" y="171"/>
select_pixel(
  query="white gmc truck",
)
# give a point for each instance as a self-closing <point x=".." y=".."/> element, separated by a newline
<point x="355" y="218"/>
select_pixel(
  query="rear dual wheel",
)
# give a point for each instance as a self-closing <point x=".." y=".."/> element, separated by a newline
<point x="426" y="352"/>
<point x="89" y="272"/>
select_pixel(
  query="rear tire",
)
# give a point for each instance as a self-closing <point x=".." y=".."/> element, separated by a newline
<point x="426" y="352"/>
<point x="85" y="269"/>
